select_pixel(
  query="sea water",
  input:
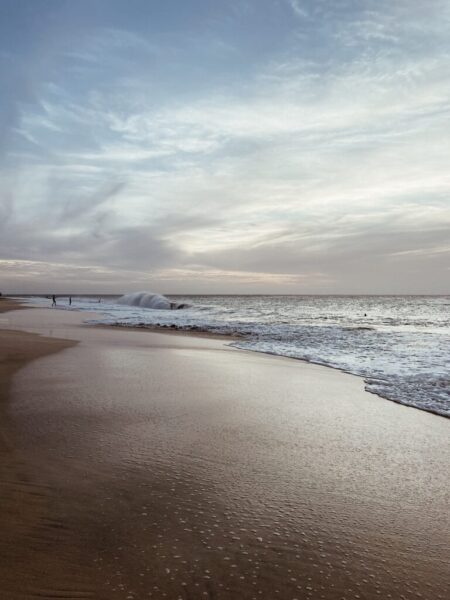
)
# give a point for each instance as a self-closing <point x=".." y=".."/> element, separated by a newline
<point x="400" y="345"/>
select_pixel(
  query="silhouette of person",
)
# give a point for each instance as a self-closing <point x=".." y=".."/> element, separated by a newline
<point x="70" y="300"/>
<point x="53" y="300"/>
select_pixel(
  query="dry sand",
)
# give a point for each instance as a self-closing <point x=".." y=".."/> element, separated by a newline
<point x="156" y="466"/>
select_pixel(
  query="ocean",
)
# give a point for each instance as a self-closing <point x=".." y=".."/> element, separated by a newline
<point x="400" y="345"/>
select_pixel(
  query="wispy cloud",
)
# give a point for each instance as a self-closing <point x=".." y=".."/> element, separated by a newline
<point x="298" y="8"/>
<point x="309" y="168"/>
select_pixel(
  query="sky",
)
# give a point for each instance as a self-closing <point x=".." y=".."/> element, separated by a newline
<point x="212" y="146"/>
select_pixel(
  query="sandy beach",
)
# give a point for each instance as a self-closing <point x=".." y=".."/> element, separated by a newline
<point x="137" y="465"/>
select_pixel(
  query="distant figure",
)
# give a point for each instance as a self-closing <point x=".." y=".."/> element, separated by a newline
<point x="53" y="300"/>
<point x="365" y="314"/>
<point x="70" y="300"/>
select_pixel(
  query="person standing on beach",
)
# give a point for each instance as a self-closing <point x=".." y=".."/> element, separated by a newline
<point x="53" y="300"/>
<point x="70" y="300"/>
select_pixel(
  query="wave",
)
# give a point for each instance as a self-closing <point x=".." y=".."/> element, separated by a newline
<point x="149" y="300"/>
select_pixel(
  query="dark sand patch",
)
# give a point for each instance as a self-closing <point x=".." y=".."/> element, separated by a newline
<point x="36" y="554"/>
<point x="7" y="304"/>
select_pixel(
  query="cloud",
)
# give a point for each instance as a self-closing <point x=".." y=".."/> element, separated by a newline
<point x="298" y="9"/>
<point x="322" y="163"/>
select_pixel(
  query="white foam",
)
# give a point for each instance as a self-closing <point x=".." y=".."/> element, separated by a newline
<point x="146" y="300"/>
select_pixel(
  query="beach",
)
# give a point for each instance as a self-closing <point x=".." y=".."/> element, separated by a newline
<point x="138" y="464"/>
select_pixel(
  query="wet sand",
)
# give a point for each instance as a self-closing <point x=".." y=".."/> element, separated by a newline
<point x="24" y="502"/>
<point x="174" y="467"/>
<point x="7" y="304"/>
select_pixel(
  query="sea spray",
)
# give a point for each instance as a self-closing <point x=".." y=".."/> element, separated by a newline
<point x="148" y="300"/>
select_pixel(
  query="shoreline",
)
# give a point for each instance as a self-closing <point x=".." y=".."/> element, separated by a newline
<point x="173" y="330"/>
<point x="12" y="304"/>
<point x="232" y="338"/>
<point x="224" y="337"/>
<point x="24" y="503"/>
<point x="161" y="462"/>
<point x="8" y="304"/>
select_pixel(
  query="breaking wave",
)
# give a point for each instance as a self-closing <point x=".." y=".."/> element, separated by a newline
<point x="149" y="300"/>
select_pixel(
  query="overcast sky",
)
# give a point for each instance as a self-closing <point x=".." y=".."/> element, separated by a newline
<point x="229" y="146"/>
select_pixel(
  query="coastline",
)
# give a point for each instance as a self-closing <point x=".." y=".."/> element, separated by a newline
<point x="229" y="337"/>
<point x="400" y="360"/>
<point x="214" y="450"/>
<point x="8" y="304"/>
<point x="25" y="504"/>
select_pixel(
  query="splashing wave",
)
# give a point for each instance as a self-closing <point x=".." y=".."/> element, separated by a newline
<point x="147" y="300"/>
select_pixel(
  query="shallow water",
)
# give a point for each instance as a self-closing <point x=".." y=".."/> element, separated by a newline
<point x="399" y="344"/>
